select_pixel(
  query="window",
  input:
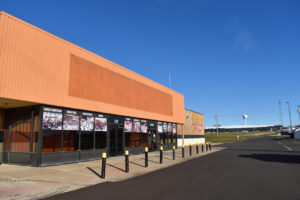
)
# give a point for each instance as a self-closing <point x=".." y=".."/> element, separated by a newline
<point x="87" y="140"/>
<point x="174" y="139"/>
<point x="70" y="140"/>
<point x="144" y="139"/>
<point x="51" y="141"/>
<point x="136" y="139"/>
<point x="128" y="139"/>
<point x="100" y="140"/>
<point x="169" y="138"/>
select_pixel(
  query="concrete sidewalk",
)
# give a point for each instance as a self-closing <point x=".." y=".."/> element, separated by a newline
<point x="23" y="182"/>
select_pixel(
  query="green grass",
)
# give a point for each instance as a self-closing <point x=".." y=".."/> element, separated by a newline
<point x="233" y="137"/>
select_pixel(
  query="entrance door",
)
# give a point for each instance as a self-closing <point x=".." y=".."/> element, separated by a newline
<point x="116" y="140"/>
<point x="152" y="138"/>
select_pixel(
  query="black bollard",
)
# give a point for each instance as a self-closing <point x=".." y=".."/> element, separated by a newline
<point x="206" y="146"/>
<point x="161" y="155"/>
<point x="173" y="152"/>
<point x="191" y="150"/>
<point x="202" y="147"/>
<point x="197" y="148"/>
<point x="209" y="146"/>
<point x="146" y="157"/>
<point x="182" y="151"/>
<point x="126" y="161"/>
<point x="103" y="165"/>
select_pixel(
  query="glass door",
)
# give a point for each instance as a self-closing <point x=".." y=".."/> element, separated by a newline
<point x="116" y="140"/>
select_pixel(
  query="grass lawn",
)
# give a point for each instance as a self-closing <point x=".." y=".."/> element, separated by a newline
<point x="234" y="137"/>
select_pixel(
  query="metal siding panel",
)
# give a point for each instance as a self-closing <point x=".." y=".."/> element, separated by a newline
<point x="40" y="74"/>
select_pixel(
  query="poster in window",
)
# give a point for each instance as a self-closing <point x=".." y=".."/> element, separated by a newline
<point x="174" y="129"/>
<point x="86" y="123"/>
<point x="100" y="124"/>
<point x="197" y="128"/>
<point x="165" y="127"/>
<point x="136" y="126"/>
<point x="144" y="127"/>
<point x="159" y="127"/>
<point x="127" y="126"/>
<point x="52" y="121"/>
<point x="169" y="128"/>
<point x="71" y="122"/>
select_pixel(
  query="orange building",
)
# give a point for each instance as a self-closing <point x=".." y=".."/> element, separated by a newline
<point x="60" y="103"/>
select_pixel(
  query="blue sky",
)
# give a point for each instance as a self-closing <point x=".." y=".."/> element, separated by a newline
<point x="227" y="57"/>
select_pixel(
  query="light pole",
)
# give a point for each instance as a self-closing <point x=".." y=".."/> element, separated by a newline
<point x="280" y="113"/>
<point x="288" y="103"/>
<point x="298" y="110"/>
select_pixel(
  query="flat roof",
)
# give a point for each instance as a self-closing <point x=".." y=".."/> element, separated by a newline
<point x="241" y="126"/>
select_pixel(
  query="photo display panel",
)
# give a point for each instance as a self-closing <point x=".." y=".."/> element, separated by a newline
<point x="86" y="122"/>
<point x="100" y="123"/>
<point x="52" y="118"/>
<point x="165" y="127"/>
<point x="127" y="125"/>
<point x="144" y="126"/>
<point x="174" y="129"/>
<point x="169" y="128"/>
<point x="159" y="127"/>
<point x="71" y="120"/>
<point x="136" y="126"/>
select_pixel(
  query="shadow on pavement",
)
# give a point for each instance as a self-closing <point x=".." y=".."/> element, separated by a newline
<point x="115" y="167"/>
<point x="274" y="158"/>
<point x="136" y="164"/>
<point x="94" y="172"/>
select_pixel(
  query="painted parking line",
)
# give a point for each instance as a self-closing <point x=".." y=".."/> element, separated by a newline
<point x="288" y="148"/>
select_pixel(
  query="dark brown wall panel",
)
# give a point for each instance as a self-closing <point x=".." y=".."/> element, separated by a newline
<point x="94" y="82"/>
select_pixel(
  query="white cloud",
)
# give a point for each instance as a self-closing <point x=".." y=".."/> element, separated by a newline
<point x="242" y="38"/>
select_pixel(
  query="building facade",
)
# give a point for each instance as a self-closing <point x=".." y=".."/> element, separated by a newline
<point x="193" y="129"/>
<point x="60" y="103"/>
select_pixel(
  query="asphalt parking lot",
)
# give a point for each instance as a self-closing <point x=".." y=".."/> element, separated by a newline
<point x="261" y="168"/>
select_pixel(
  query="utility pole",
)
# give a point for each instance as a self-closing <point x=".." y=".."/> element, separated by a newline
<point x="298" y="110"/>
<point x="217" y="124"/>
<point x="288" y="103"/>
<point x="280" y="113"/>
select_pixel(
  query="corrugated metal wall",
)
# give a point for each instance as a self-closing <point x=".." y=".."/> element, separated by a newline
<point x="35" y="65"/>
<point x="193" y="119"/>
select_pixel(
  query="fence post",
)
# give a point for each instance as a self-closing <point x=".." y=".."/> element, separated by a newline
<point x="126" y="161"/>
<point x="191" y="150"/>
<point x="103" y="165"/>
<point x="197" y="148"/>
<point x="182" y="151"/>
<point x="173" y="152"/>
<point x="161" y="155"/>
<point x="146" y="157"/>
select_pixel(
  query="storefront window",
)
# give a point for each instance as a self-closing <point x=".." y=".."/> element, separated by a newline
<point x="128" y="139"/>
<point x="136" y="140"/>
<point x="87" y="140"/>
<point x="70" y="140"/>
<point x="161" y="138"/>
<point x="51" y="141"/>
<point x="174" y="139"/>
<point x="87" y="131"/>
<point x="100" y="140"/>
<point x="101" y="130"/>
<point x="144" y="139"/>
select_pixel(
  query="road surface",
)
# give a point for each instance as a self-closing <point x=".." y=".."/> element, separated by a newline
<point x="262" y="168"/>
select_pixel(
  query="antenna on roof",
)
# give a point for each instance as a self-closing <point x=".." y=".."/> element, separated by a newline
<point x="169" y="79"/>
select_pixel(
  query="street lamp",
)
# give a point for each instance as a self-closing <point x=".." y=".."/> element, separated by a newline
<point x="288" y="103"/>
<point x="298" y="111"/>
